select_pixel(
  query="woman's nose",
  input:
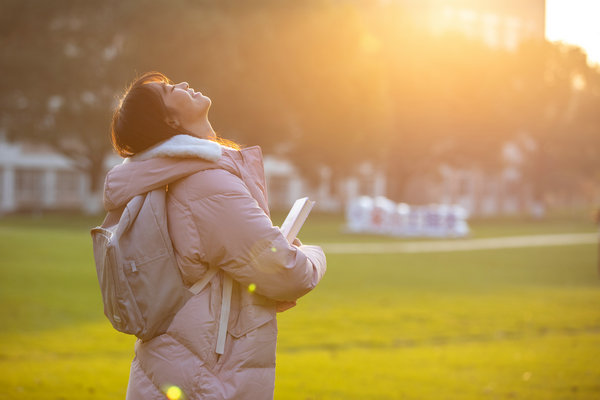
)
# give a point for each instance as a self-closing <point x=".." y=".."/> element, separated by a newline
<point x="183" y="85"/>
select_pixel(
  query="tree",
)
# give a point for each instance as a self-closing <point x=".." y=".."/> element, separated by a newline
<point x="64" y="69"/>
<point x="557" y="95"/>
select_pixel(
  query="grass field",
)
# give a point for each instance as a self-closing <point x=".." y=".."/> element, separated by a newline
<point x="487" y="324"/>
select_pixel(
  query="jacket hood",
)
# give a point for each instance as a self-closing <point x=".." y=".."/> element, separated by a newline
<point x="167" y="162"/>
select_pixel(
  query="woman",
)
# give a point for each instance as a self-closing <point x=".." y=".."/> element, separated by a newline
<point x="217" y="217"/>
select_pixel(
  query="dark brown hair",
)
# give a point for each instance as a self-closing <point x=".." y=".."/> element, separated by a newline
<point x="140" y="119"/>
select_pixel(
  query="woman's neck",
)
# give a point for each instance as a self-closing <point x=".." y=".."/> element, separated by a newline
<point x="202" y="129"/>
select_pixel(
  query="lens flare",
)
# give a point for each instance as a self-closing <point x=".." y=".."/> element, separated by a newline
<point x="273" y="249"/>
<point x="174" y="393"/>
<point x="251" y="287"/>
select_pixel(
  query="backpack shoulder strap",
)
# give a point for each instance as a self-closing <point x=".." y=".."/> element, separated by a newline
<point x="198" y="286"/>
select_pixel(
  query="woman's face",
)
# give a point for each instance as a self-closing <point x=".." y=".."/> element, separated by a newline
<point x="186" y="107"/>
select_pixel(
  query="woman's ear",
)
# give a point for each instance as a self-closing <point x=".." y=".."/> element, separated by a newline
<point x="173" y="123"/>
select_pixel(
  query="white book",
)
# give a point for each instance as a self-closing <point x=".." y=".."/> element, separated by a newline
<point x="296" y="217"/>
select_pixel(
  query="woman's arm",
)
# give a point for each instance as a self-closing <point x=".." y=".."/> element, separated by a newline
<point x="237" y="235"/>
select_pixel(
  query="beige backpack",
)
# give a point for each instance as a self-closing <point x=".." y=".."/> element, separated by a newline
<point x="141" y="285"/>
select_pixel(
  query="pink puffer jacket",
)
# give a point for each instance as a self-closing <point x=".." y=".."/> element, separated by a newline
<point x="217" y="216"/>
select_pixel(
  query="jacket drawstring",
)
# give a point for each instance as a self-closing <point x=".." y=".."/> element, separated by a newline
<point x="225" y="303"/>
<point x="225" y="308"/>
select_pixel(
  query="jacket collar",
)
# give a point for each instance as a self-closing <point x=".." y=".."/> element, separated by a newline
<point x="181" y="146"/>
<point x="177" y="158"/>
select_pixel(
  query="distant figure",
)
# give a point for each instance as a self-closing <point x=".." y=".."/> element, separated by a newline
<point x="217" y="216"/>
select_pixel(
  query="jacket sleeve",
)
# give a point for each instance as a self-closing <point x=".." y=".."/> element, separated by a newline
<point x="237" y="236"/>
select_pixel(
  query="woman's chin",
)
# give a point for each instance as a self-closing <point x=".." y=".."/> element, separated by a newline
<point x="204" y="104"/>
<point x="201" y="98"/>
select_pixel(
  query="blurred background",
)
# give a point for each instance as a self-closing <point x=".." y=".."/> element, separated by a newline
<point x="453" y="101"/>
<point x="489" y="105"/>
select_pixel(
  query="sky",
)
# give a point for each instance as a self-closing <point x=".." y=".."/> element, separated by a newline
<point x="575" y="22"/>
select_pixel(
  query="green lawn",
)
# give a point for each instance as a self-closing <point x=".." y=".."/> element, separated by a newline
<point x="493" y="324"/>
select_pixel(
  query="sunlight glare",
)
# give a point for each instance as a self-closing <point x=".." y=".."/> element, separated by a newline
<point x="575" y="22"/>
<point x="174" y="393"/>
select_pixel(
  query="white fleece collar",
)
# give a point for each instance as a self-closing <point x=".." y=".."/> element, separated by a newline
<point x="181" y="146"/>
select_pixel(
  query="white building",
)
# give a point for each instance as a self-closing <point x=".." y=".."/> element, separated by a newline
<point x="38" y="180"/>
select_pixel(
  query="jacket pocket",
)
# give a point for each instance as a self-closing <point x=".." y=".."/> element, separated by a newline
<point x="251" y="316"/>
<point x="254" y="334"/>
